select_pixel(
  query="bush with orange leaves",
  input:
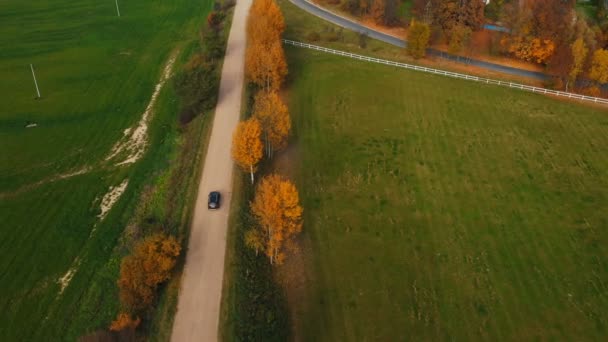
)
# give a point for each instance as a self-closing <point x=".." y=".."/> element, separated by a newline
<point x="530" y="49"/>
<point x="276" y="207"/>
<point x="124" y="321"/>
<point x="150" y="264"/>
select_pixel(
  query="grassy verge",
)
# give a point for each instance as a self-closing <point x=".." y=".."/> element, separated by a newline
<point x="439" y="209"/>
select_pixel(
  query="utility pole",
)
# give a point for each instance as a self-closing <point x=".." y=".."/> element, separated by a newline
<point x="117" y="9"/>
<point x="35" y="82"/>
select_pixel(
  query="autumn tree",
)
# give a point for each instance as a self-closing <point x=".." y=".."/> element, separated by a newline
<point x="124" y="321"/>
<point x="377" y="11"/>
<point x="265" y="63"/>
<point x="247" y="148"/>
<point x="148" y="266"/>
<point x="274" y="119"/>
<point x="265" y="22"/>
<point x="529" y="48"/>
<point x="276" y="207"/>
<point x="539" y="29"/>
<point x="599" y="66"/>
<point x="418" y="38"/>
<point x="579" y="55"/>
<point x="451" y="13"/>
<point x="460" y="37"/>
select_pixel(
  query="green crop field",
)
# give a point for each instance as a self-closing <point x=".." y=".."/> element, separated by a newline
<point x="441" y="209"/>
<point x="97" y="73"/>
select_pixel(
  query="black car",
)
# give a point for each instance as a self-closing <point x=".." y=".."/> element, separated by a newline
<point x="214" y="200"/>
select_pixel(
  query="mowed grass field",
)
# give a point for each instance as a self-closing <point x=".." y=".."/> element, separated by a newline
<point x="97" y="73"/>
<point x="440" y="209"/>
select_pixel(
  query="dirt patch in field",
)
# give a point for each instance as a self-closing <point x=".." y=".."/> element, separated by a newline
<point x="134" y="139"/>
<point x="67" y="277"/>
<point x="111" y="197"/>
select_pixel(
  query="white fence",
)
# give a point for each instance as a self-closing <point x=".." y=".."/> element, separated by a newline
<point x="450" y="74"/>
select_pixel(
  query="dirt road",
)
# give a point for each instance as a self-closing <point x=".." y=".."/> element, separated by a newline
<point x="198" y="307"/>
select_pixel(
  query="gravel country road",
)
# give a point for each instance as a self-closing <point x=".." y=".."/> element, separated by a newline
<point x="198" y="307"/>
<point x="354" y="26"/>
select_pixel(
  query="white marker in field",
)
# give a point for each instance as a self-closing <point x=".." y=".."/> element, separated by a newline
<point x="117" y="10"/>
<point x="35" y="82"/>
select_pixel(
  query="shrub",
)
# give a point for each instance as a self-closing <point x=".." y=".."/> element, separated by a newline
<point x="215" y="19"/>
<point x="141" y="272"/>
<point x="313" y="36"/>
<point x="332" y="36"/>
<point x="362" y="40"/>
<point x="124" y="321"/>
<point x="197" y="87"/>
<point x="228" y="4"/>
<point x="592" y="91"/>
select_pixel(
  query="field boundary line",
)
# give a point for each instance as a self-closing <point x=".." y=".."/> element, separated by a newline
<point x="450" y="73"/>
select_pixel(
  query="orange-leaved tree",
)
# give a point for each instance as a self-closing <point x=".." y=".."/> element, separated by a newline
<point x="265" y="63"/>
<point x="124" y="321"/>
<point x="149" y="265"/>
<point x="265" y="22"/>
<point x="274" y="118"/>
<point x="599" y="66"/>
<point x="530" y="49"/>
<point x="378" y="8"/>
<point x="247" y="147"/>
<point x="276" y="207"/>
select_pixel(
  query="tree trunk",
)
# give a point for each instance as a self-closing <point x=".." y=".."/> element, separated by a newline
<point x="251" y="170"/>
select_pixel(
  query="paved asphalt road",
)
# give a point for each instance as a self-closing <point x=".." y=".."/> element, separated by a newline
<point x="198" y="306"/>
<point x="351" y="25"/>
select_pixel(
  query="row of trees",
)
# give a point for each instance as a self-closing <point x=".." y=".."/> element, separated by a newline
<point x="276" y="205"/>
<point x="552" y="33"/>
<point x="546" y="32"/>
<point x="266" y="68"/>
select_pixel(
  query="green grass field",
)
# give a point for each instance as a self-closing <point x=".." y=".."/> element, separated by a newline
<point x="441" y="209"/>
<point x="97" y="73"/>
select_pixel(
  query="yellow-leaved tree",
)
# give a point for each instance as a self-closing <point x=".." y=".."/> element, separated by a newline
<point x="579" y="54"/>
<point x="265" y="22"/>
<point x="276" y="207"/>
<point x="599" y="66"/>
<point x="265" y="63"/>
<point x="418" y="38"/>
<point x="274" y="118"/>
<point x="247" y="147"/>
